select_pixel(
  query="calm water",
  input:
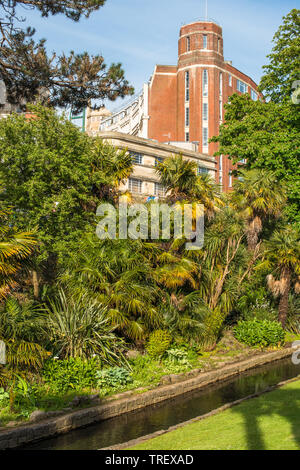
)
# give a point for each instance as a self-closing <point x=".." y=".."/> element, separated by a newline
<point x="169" y="413"/>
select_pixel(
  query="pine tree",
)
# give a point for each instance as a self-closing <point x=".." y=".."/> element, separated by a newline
<point x="30" y="74"/>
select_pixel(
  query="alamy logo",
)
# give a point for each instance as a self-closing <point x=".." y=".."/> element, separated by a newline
<point x="152" y="222"/>
<point x="296" y="92"/>
<point x="296" y="354"/>
<point x="2" y="353"/>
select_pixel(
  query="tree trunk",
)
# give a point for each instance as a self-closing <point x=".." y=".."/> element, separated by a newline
<point x="285" y="281"/>
<point x="35" y="283"/>
<point x="253" y="231"/>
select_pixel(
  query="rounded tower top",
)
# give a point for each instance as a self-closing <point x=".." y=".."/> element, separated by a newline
<point x="201" y="25"/>
<point x="201" y="36"/>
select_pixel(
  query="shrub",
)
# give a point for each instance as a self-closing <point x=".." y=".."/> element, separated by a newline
<point x="25" y="394"/>
<point x="159" y="342"/>
<point x="213" y="325"/>
<point x="70" y="374"/>
<point x="259" y="333"/>
<point x="113" y="377"/>
<point x="80" y="328"/>
<point x="4" y="396"/>
<point x="177" y="356"/>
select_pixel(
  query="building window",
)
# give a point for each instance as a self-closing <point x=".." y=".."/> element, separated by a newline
<point x="159" y="190"/>
<point x="230" y="80"/>
<point x="158" y="160"/>
<point x="137" y="158"/>
<point x="134" y="185"/>
<point x="187" y="117"/>
<point x="202" y="170"/>
<point x="187" y="86"/>
<point x="205" y="112"/>
<point x="221" y="110"/>
<point x="205" y="82"/>
<point x="204" y="41"/>
<point x="221" y="169"/>
<point x="205" y="137"/>
<point x="188" y="44"/>
<point x="241" y="86"/>
<point x="254" y="95"/>
<point x="187" y="136"/>
<point x="221" y="83"/>
<point x="230" y="179"/>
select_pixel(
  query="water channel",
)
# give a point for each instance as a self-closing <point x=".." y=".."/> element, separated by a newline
<point x="171" y="412"/>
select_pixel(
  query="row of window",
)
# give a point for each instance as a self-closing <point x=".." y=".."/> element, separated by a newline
<point x="136" y="186"/>
<point x="137" y="159"/>
<point x="241" y="86"/>
<point x="204" y="43"/>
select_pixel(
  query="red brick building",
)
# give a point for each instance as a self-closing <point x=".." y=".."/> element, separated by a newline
<point x="186" y="102"/>
<point x="183" y="104"/>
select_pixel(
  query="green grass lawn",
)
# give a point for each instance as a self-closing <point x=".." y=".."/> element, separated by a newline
<point x="270" y="422"/>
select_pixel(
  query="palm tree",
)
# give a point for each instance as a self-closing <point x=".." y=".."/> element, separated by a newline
<point x="15" y="250"/>
<point x="118" y="274"/>
<point x="178" y="176"/>
<point x="21" y="331"/>
<point x="221" y="262"/>
<point x="180" y="179"/>
<point x="208" y="193"/>
<point x="283" y="255"/>
<point x="110" y="167"/>
<point x="183" y="315"/>
<point x="261" y="196"/>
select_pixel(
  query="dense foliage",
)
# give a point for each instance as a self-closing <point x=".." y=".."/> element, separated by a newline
<point x="259" y="333"/>
<point x="79" y="313"/>
<point x="159" y="342"/>
<point x="70" y="374"/>
<point x="53" y="178"/>
<point x="283" y="69"/>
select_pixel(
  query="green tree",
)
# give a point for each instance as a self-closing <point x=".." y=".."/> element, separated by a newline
<point x="267" y="136"/>
<point x="222" y="267"/>
<point x="178" y="176"/>
<point x="29" y="74"/>
<point x="52" y="176"/>
<point x="283" y="69"/>
<point x="261" y="196"/>
<point x="283" y="257"/>
<point x="180" y="179"/>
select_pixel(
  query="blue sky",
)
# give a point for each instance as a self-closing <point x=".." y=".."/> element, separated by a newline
<point x="142" y="33"/>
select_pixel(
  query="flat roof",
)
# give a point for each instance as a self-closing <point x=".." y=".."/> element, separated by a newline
<point x="155" y="145"/>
